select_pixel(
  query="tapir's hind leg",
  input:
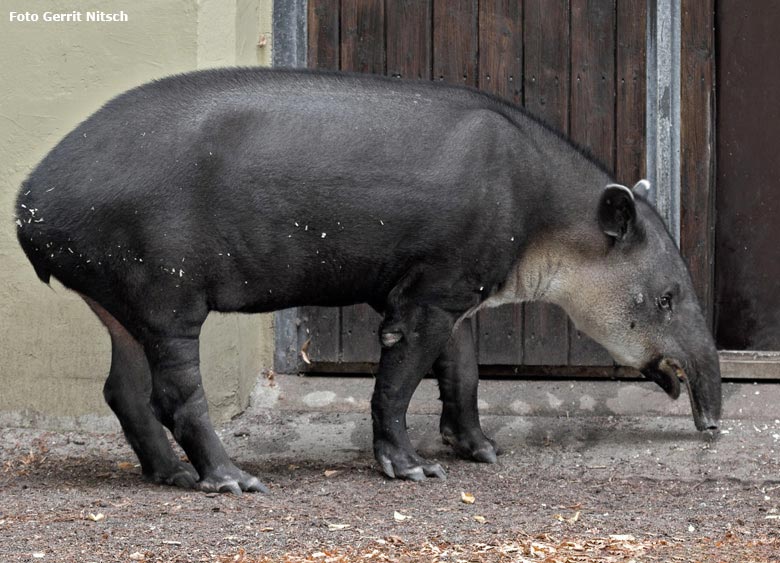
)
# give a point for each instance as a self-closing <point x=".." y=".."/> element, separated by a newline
<point x="180" y="404"/>
<point x="457" y="373"/>
<point x="127" y="391"/>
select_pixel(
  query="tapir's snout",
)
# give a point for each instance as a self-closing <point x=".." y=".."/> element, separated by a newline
<point x="702" y="380"/>
<point x="704" y="391"/>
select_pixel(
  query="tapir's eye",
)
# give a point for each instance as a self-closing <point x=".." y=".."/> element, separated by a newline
<point x="665" y="302"/>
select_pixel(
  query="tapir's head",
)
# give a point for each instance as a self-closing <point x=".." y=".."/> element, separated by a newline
<point x="626" y="286"/>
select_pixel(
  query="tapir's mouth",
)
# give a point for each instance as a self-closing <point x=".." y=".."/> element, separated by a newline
<point x="668" y="374"/>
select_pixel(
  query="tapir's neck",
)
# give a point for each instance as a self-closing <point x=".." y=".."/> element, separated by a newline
<point x="547" y="266"/>
<point x="535" y="277"/>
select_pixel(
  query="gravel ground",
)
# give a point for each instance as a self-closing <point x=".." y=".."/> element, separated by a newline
<point x="586" y="488"/>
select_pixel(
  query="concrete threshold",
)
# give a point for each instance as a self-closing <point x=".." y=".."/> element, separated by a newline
<point x="556" y="398"/>
<point x="511" y="398"/>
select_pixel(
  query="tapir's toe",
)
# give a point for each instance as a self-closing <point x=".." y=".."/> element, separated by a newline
<point x="255" y="486"/>
<point x="399" y="464"/>
<point x="485" y="455"/>
<point x="475" y="446"/>
<point x="434" y="470"/>
<point x="179" y="474"/>
<point x="183" y="479"/>
<point x="415" y="473"/>
<point x="231" y="480"/>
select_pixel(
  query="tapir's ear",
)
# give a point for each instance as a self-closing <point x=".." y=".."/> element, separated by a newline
<point x="617" y="211"/>
<point x="641" y="188"/>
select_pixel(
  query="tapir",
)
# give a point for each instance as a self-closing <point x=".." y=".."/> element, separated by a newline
<point x="252" y="190"/>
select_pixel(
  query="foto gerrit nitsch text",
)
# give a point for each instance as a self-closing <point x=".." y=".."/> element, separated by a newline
<point x="73" y="16"/>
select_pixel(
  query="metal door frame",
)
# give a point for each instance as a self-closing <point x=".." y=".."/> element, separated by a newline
<point x="289" y="50"/>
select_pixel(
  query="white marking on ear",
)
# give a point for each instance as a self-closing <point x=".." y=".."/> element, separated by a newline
<point x="643" y="184"/>
<point x="622" y="187"/>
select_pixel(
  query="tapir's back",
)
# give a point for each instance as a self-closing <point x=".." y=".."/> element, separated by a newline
<point x="173" y="129"/>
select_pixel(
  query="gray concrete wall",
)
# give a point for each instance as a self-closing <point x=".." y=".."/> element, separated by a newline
<point x="54" y="354"/>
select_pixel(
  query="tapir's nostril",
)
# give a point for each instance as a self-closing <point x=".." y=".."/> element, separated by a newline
<point x="711" y="425"/>
<point x="707" y="424"/>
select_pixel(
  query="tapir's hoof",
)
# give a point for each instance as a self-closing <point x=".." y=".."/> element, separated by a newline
<point x="476" y="447"/>
<point x="180" y="474"/>
<point x="398" y="464"/>
<point x="231" y="480"/>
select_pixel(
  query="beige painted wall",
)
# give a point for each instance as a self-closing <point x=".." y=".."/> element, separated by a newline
<point x="54" y="354"/>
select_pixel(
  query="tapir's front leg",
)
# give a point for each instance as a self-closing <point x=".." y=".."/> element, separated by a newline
<point x="457" y="372"/>
<point x="413" y="334"/>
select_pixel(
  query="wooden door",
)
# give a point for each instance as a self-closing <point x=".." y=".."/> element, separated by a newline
<point x="578" y="64"/>
<point x="747" y="231"/>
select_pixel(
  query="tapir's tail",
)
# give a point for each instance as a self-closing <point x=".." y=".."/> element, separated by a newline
<point x="25" y="233"/>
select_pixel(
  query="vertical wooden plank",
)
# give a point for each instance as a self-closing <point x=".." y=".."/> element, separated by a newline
<point x="323" y="34"/>
<point x="546" y="84"/>
<point x="409" y="38"/>
<point x="455" y="41"/>
<point x="360" y="334"/>
<point x="500" y="331"/>
<point x="500" y="335"/>
<point x="455" y="48"/>
<point x="546" y="93"/>
<point x="592" y="121"/>
<point x="630" y="163"/>
<point x="321" y="326"/>
<point x="593" y="76"/>
<point x="362" y="50"/>
<point x="501" y="48"/>
<point x="697" y="142"/>
<point x="362" y="36"/>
